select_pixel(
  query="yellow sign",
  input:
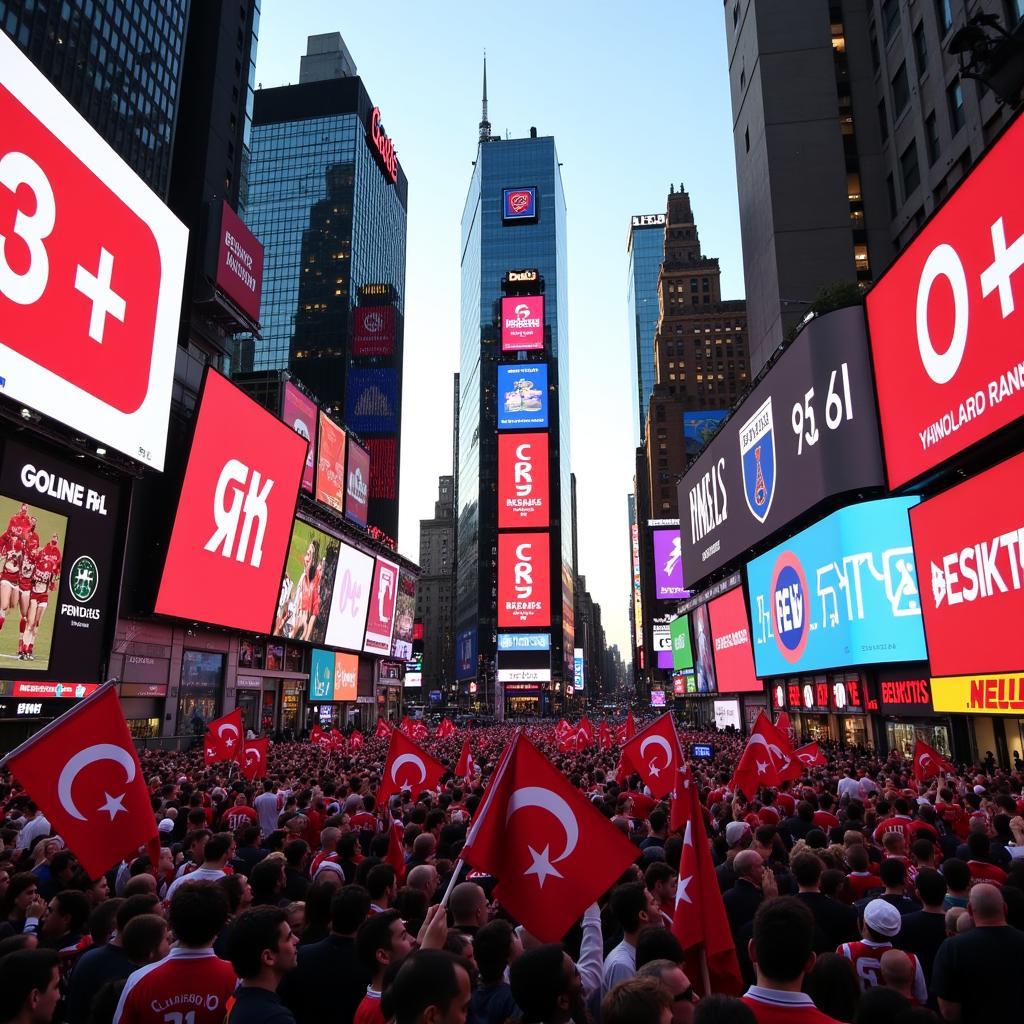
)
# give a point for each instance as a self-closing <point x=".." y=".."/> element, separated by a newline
<point x="980" y="695"/>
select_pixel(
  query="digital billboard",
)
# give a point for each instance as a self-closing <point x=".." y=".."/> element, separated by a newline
<point x="330" y="464"/>
<point x="944" y="331"/>
<point x="383" y="465"/>
<point x="578" y="673"/>
<point x="333" y="676"/>
<point x="357" y="488"/>
<point x="239" y="273"/>
<point x="727" y="713"/>
<point x="703" y="650"/>
<point x="980" y="695"/>
<point x="523" y="496"/>
<point x="973" y="568"/>
<point x="699" y="426"/>
<point x="682" y="650"/>
<point x="90" y="301"/>
<point x="807" y="432"/>
<point x="371" y="400"/>
<point x="405" y="612"/>
<point x="300" y="413"/>
<point x="234" y="519"/>
<point x="380" y="622"/>
<point x="523" y="396"/>
<point x="734" y="656"/>
<point x="524" y="641"/>
<point x="524" y="666"/>
<point x="524" y="583"/>
<point x="668" y="565"/>
<point x="522" y="323"/>
<point x="309" y="573"/>
<point x="465" y="655"/>
<point x="657" y="698"/>
<point x="519" y="204"/>
<point x="373" y="331"/>
<point x="843" y="592"/>
<point x="661" y="640"/>
<point x="350" y="600"/>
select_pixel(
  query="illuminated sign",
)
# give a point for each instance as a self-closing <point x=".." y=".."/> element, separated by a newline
<point x="524" y="641"/>
<point x="905" y="696"/>
<point x="518" y="204"/>
<point x="682" y="651"/>
<point x="300" y="413"/>
<point x="330" y="464"/>
<point x="727" y="712"/>
<point x="373" y="332"/>
<point x="305" y="592"/>
<point x="703" y="650"/>
<point x="657" y="698"/>
<point x="705" y="750"/>
<point x="91" y="295"/>
<point x="239" y="263"/>
<point x="523" y="498"/>
<point x="465" y="654"/>
<point x="380" y="622"/>
<point x="734" y="659"/>
<point x="524" y="675"/>
<point x="383" y="476"/>
<point x="638" y="611"/>
<point x="522" y="276"/>
<point x="357" y="487"/>
<point x="523" y="396"/>
<point x="645" y="220"/>
<point x="64" y="691"/>
<point x="405" y="611"/>
<point x="383" y="147"/>
<point x="524" y="584"/>
<point x="668" y="565"/>
<point x="980" y="695"/>
<point x="371" y="400"/>
<point x="522" y="323"/>
<point x="350" y="599"/>
<point x="578" y="674"/>
<point x="333" y="676"/>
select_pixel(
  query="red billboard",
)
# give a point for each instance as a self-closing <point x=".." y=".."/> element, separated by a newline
<point x="357" y="486"/>
<point x="945" y="330"/>
<point x="380" y="622"/>
<point x="239" y="263"/>
<point x="522" y="323"/>
<point x="299" y="412"/>
<point x="234" y="518"/>
<point x="373" y="331"/>
<point x="523" y="498"/>
<point x="971" y="569"/>
<point x="730" y="634"/>
<point x="524" y="580"/>
<point x="330" y="464"/>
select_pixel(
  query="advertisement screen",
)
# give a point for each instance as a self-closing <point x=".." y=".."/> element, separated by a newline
<point x="330" y="464"/>
<point x="727" y="712"/>
<point x="523" y="396"/>
<point x="579" y="680"/>
<point x="333" y="676"/>
<point x="524" y="641"/>
<point x="657" y="698"/>
<point x="518" y="204"/>
<point x="300" y="413"/>
<point x="371" y="401"/>
<point x="843" y="592"/>
<point x="980" y="695"/>
<point x="350" y="601"/>
<point x="380" y="622"/>
<point x="90" y="302"/>
<point x="373" y="331"/>
<point x="668" y="565"/>
<point x="661" y="641"/>
<point x="682" y="650"/>
<point x="704" y="659"/>
<point x="945" y="330"/>
<point x="357" y="491"/>
<point x="414" y="672"/>
<point x="465" y="655"/>
<point x="523" y="498"/>
<point x="234" y="519"/>
<point x="524" y="666"/>
<point x="807" y="432"/>
<point x="524" y="583"/>
<point x="239" y="263"/>
<point x="405" y="612"/>
<point x="305" y="599"/>
<point x="522" y="323"/>
<point x="973" y="568"/>
<point x="700" y="426"/>
<point x="734" y="657"/>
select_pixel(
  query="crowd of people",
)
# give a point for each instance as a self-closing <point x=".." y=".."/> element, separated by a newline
<point x="855" y="893"/>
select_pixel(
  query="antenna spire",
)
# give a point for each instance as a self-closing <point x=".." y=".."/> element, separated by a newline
<point x="485" y="124"/>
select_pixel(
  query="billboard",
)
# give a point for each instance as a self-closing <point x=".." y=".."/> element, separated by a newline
<point x="523" y="496"/>
<point x="523" y="396"/>
<point x="807" y="432"/>
<point x="668" y="565"/>
<point x="524" y="584"/>
<point x="522" y="323"/>
<point x="734" y="657"/>
<point x="234" y="519"/>
<point x="657" y="698"/>
<point x="682" y="650"/>
<point x="523" y="666"/>
<point x="727" y="713"/>
<point x="89" y="304"/>
<point x="305" y="598"/>
<point x="524" y="641"/>
<point x="239" y="273"/>
<point x="357" y="488"/>
<point x="59" y="566"/>
<point x="300" y="413"/>
<point x="350" y="600"/>
<point x="380" y="622"/>
<point x="383" y="467"/>
<point x="373" y="331"/>
<point x="973" y="565"/>
<point x="578" y="674"/>
<point x="405" y="612"/>
<point x="843" y="592"/>
<point x="333" y="676"/>
<point x="980" y="695"/>
<point x="700" y="426"/>
<point x="330" y="464"/>
<point x="519" y="204"/>
<point x="465" y="655"/>
<point x="371" y="400"/>
<point x="661" y="641"/>
<point x="703" y="657"/>
<point x="945" y="334"/>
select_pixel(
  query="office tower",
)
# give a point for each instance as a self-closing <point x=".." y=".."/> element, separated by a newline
<point x="645" y="246"/>
<point x="434" y="603"/>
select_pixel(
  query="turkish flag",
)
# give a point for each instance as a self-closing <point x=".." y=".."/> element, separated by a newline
<point x="407" y="767"/>
<point x="224" y="738"/>
<point x="396" y="855"/>
<point x="466" y="766"/>
<point x="418" y="731"/>
<point x="807" y="756"/>
<point x="604" y="737"/>
<point x="783" y="724"/>
<point x="552" y="852"/>
<point x="563" y="729"/>
<point x="928" y="761"/>
<point x="766" y="759"/>
<point x="337" y="740"/>
<point x="383" y="730"/>
<point x="356" y="741"/>
<point x="699" y="921"/>
<point x="642" y="805"/>
<point x="654" y="754"/>
<point x="254" y="759"/>
<point x="83" y="772"/>
<point x="406" y="725"/>
<point x="445" y="728"/>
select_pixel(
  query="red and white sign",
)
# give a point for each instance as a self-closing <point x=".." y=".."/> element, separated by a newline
<point x="350" y="599"/>
<point x="373" y="333"/>
<point x="734" y="655"/>
<point x="380" y="622"/>
<point x="300" y="413"/>
<point x="234" y="518"/>
<point x="523" y="496"/>
<point x="947" y="319"/>
<point x="524" y="580"/>
<point x="330" y="464"/>
<point x="357" y="487"/>
<point x="969" y="548"/>
<point x="522" y="323"/>
<point x="383" y="147"/>
<point x="91" y="269"/>
<point x="67" y="691"/>
<point x="239" y="263"/>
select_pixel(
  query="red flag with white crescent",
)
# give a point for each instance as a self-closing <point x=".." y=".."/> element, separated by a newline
<point x="407" y="767"/>
<point x="254" y="758"/>
<point x="355" y="741"/>
<point x="224" y="738"/>
<point x="466" y="766"/>
<point x="928" y="761"/>
<point x="766" y="760"/>
<point x="654" y="754"/>
<point x="383" y="730"/>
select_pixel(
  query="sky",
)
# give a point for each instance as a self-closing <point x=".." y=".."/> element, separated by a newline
<point x="637" y="97"/>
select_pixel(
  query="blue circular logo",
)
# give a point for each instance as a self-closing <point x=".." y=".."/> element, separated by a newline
<point x="790" y="607"/>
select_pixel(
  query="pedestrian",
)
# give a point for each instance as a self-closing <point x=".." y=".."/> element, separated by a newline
<point x="262" y="949"/>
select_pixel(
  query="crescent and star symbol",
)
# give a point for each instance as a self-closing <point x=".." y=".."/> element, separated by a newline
<point x="538" y="796"/>
<point x="114" y="805"/>
<point x="658" y="741"/>
<point x="682" y="896"/>
<point x="774" y="752"/>
<point x="229" y="742"/>
<point x="408" y="759"/>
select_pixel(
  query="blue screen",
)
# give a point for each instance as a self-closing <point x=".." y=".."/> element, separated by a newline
<point x="522" y="396"/>
<point x="465" y="655"/>
<point x="701" y="750"/>
<point x="524" y="641"/>
<point x="321" y="675"/>
<point x="371" y="401"/>
<point x="519" y="204"/>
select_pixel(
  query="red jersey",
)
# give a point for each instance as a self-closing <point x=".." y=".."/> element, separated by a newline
<point x="773" y="1007"/>
<point x="897" y="823"/>
<point x="787" y="803"/>
<point x="982" y="871"/>
<point x="866" y="957"/>
<point x="190" y="985"/>
<point x="238" y="817"/>
<point x="13" y="547"/>
<point x="825" y="820"/>
<point x="368" y="1011"/>
<point x="28" y="562"/>
<point x="862" y="882"/>
<point x="768" y="816"/>
<point x="47" y="572"/>
<point x="364" y="820"/>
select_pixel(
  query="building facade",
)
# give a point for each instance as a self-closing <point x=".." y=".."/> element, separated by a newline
<point x="434" y="605"/>
<point x="645" y="248"/>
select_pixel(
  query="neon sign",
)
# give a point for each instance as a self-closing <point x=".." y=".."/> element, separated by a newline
<point x="384" y="147"/>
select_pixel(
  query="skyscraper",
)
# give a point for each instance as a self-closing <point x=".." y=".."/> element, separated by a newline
<point x="645" y="246"/>
<point x="434" y="593"/>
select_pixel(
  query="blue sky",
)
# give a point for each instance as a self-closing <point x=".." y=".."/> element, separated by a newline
<point x="637" y="96"/>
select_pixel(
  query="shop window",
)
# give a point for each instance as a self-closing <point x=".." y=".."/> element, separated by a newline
<point x="143" y="728"/>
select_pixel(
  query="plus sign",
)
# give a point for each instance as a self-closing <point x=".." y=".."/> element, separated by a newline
<point x="105" y="301"/>
<point x="1004" y="264"/>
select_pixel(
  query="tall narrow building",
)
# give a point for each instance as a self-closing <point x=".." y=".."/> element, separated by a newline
<point x="434" y="594"/>
<point x="645" y="247"/>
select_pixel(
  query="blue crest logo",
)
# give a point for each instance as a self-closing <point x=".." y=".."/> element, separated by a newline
<point x="757" y="460"/>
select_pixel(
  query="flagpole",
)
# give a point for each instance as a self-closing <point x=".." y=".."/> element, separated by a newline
<point x="705" y="975"/>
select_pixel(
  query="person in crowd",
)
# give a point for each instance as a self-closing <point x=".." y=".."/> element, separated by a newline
<point x="495" y="946"/>
<point x="879" y="928"/>
<point x="755" y="882"/>
<point x="634" y="907"/>
<point x="381" y="940"/>
<point x="262" y="950"/>
<point x="431" y="986"/>
<point x="382" y="885"/>
<point x="468" y="905"/>
<point x="924" y="930"/>
<point x="546" y="986"/>
<point x="835" y="923"/>
<point x="832" y="984"/>
<point x="29" y="987"/>
<point x="677" y="986"/>
<point x="218" y="850"/>
<point x="637" y="1001"/>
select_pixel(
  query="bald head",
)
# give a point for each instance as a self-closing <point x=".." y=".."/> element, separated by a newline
<point x="423" y="877"/>
<point x="897" y="971"/>
<point x="468" y="904"/>
<point x="987" y="906"/>
<point x="746" y="864"/>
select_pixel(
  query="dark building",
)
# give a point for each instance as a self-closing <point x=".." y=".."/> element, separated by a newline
<point x="646" y="247"/>
<point x="434" y="604"/>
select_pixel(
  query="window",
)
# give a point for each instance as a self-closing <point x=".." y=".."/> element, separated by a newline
<point x="944" y="14"/>
<point x="955" y="99"/>
<point x="735" y="14"/>
<point x="931" y="134"/>
<point x="1014" y="12"/>
<point x="746" y="138"/>
<point x="909" y="170"/>
<point x="900" y="90"/>
<point x="873" y="39"/>
<point x="921" y="48"/>
<point x="890" y="19"/>
<point x="883" y="120"/>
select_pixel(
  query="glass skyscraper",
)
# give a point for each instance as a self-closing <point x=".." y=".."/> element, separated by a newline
<point x="646" y="246"/>
<point x="492" y="246"/>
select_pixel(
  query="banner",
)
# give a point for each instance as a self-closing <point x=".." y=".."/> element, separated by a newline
<point x="522" y="323"/>
<point x="405" y="612"/>
<point x="980" y="695"/>
<point x="668" y="565"/>
<point x="300" y="413"/>
<point x="373" y="331"/>
<point x="357" y="490"/>
<point x="524" y="580"/>
<point x="682" y="651"/>
<point x="380" y="623"/>
<point x="523" y="396"/>
<point x="239" y="263"/>
<point x="523" y="495"/>
<point x="350" y="600"/>
<point x="734" y="656"/>
<point x="330" y="464"/>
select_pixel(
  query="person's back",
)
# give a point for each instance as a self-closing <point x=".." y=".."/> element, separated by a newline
<point x="923" y="931"/>
<point x="266" y="806"/>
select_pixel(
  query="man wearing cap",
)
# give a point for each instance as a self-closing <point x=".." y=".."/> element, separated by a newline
<point x="738" y="837"/>
<point x="881" y="924"/>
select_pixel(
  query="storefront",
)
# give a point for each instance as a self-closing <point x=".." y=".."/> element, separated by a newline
<point x="905" y="704"/>
<point x="994" y="708"/>
<point x="248" y="690"/>
<point x="270" y="684"/>
<point x="825" y="708"/>
<point x="202" y="685"/>
<point x="522" y="699"/>
<point x="143" y="670"/>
